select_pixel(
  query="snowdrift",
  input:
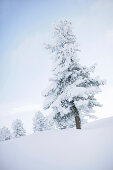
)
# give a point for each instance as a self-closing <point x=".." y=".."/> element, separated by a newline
<point x="88" y="149"/>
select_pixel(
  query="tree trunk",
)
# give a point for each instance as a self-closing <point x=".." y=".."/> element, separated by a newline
<point x="77" y="121"/>
<point x="77" y="117"/>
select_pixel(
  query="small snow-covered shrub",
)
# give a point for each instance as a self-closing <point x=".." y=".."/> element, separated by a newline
<point x="39" y="122"/>
<point x="5" y="134"/>
<point x="18" y="129"/>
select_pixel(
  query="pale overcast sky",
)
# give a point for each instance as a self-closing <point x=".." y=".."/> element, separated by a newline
<point x="25" y="66"/>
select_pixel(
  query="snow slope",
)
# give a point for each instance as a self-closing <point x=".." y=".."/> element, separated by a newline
<point x="88" y="149"/>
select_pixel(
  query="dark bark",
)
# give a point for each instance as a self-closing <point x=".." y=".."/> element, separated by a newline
<point x="77" y="117"/>
<point x="78" y="121"/>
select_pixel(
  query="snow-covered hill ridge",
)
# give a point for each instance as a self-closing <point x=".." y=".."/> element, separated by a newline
<point x="88" y="149"/>
<point x="101" y="123"/>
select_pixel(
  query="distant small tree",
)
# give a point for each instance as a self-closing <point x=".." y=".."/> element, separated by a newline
<point x="18" y="129"/>
<point x="39" y="122"/>
<point x="50" y="123"/>
<point x="5" y="134"/>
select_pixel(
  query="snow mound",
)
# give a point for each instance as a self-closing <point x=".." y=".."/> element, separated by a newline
<point x="88" y="149"/>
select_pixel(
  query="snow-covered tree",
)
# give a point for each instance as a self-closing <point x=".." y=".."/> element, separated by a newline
<point x="18" y="129"/>
<point x="5" y="134"/>
<point x="39" y="122"/>
<point x="50" y="123"/>
<point x="72" y="91"/>
<point x="63" y="122"/>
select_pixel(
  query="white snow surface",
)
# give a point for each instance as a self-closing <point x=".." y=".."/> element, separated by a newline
<point x="88" y="149"/>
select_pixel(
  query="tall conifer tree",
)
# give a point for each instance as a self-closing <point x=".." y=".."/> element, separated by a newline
<point x="73" y="87"/>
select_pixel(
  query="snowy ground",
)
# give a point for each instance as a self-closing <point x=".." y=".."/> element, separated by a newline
<point x="88" y="149"/>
